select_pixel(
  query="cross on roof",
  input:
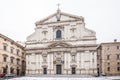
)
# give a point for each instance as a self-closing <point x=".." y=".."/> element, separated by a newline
<point x="58" y="5"/>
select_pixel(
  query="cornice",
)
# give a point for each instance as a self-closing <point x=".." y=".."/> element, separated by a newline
<point x="61" y="13"/>
<point x="40" y="42"/>
<point x="12" y="41"/>
<point x="68" y="47"/>
<point x="57" y="22"/>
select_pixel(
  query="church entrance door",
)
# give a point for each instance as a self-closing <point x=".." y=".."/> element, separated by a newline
<point x="73" y="70"/>
<point x="58" y="69"/>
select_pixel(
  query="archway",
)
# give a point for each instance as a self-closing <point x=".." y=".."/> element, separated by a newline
<point x="58" y="34"/>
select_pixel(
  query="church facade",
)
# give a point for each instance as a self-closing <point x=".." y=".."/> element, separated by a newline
<point x="61" y="44"/>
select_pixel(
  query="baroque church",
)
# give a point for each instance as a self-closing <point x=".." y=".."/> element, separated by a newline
<point x="61" y="44"/>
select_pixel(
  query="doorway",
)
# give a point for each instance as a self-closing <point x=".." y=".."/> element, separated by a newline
<point x="44" y="70"/>
<point x="58" y="69"/>
<point x="73" y="70"/>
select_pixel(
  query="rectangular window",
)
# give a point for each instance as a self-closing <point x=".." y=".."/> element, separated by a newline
<point x="118" y="47"/>
<point x="18" y="51"/>
<point x="11" y="49"/>
<point x="5" y="47"/>
<point x="118" y="68"/>
<point x="108" y="57"/>
<point x="118" y="56"/>
<point x="4" y="58"/>
<point x="108" y="63"/>
<point x="11" y="60"/>
<point x="118" y="63"/>
<point x="108" y="69"/>
<point x="22" y="54"/>
<point x="18" y="61"/>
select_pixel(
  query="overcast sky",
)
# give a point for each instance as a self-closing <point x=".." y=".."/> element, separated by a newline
<point x="18" y="17"/>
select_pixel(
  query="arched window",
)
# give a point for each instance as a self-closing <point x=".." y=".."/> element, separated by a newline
<point x="58" y="34"/>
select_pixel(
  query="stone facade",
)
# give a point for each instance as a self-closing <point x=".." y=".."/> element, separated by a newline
<point x="108" y="55"/>
<point x="12" y="57"/>
<point x="61" y="44"/>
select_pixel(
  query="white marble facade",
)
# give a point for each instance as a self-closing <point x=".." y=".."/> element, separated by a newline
<point x="61" y="44"/>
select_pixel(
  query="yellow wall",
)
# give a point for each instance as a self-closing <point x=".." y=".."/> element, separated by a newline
<point x="14" y="65"/>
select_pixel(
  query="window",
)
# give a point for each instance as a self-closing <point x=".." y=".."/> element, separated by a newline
<point x="18" y="51"/>
<point x="108" y="69"/>
<point x="108" y="57"/>
<point x="118" y="63"/>
<point x="23" y="54"/>
<point x="4" y="70"/>
<point x="117" y="47"/>
<point x="11" y="50"/>
<point x="118" y="56"/>
<point x="58" y="34"/>
<point x="18" y="61"/>
<point x="108" y="63"/>
<point x="5" y="47"/>
<point x="118" y="68"/>
<point x="4" y="58"/>
<point x="11" y="60"/>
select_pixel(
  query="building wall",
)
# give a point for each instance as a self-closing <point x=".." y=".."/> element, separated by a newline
<point x="73" y="32"/>
<point x="84" y="62"/>
<point x="8" y="64"/>
<point x="76" y="42"/>
<point x="110" y="58"/>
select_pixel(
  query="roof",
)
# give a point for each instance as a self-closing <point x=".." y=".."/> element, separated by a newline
<point x="61" y="13"/>
<point x="111" y="43"/>
<point x="12" y="41"/>
<point x="108" y="43"/>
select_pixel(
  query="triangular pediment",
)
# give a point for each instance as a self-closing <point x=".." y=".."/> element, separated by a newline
<point x="57" y="45"/>
<point x="64" y="17"/>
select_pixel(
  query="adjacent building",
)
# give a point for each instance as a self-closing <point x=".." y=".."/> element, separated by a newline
<point x="61" y="44"/>
<point x="108" y="56"/>
<point x="12" y="57"/>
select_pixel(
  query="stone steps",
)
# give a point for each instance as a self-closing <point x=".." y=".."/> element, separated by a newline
<point x="61" y="76"/>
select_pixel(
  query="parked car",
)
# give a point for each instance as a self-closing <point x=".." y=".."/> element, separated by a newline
<point x="2" y="75"/>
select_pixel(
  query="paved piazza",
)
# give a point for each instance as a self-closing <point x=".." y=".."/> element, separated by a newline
<point x="67" y="78"/>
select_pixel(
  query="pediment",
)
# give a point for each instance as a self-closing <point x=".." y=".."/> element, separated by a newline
<point x="64" y="17"/>
<point x="58" y="45"/>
